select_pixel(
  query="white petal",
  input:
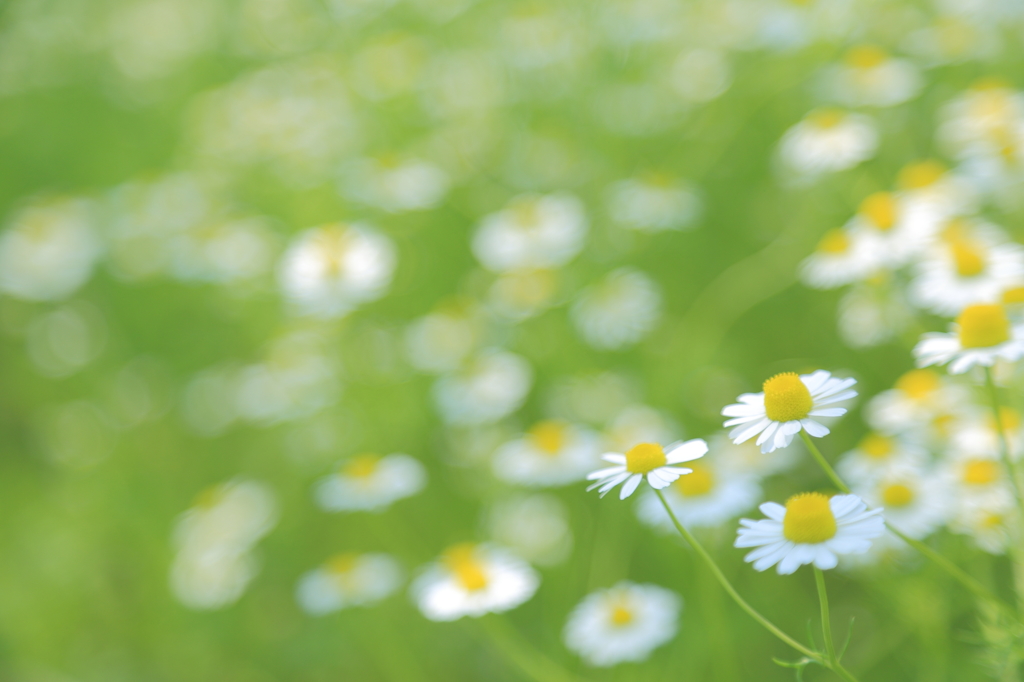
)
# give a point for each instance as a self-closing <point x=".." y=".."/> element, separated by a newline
<point x="813" y="428"/>
<point x="688" y="451"/>
<point x="629" y="486"/>
<point x="745" y="433"/>
<point x="614" y="458"/>
<point x="774" y="511"/>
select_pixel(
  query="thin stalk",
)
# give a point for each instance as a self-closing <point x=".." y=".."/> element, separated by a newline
<point x="942" y="562"/>
<point x="534" y="664"/>
<point x="1004" y="444"/>
<point x="724" y="582"/>
<point x="826" y="629"/>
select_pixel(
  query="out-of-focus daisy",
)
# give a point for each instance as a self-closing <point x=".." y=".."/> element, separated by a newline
<point x="236" y="250"/>
<point x="395" y="184"/>
<point x="842" y="257"/>
<point x="441" y="340"/>
<point x="519" y="294"/>
<point x="488" y="387"/>
<point x="702" y="498"/>
<point x="811" y="528"/>
<point x="868" y="76"/>
<point x="915" y="501"/>
<point x="827" y="141"/>
<point x="984" y="113"/>
<point x="639" y="424"/>
<point x="646" y="459"/>
<point x="990" y="520"/>
<point x="532" y="232"/>
<point x="895" y="229"/>
<point x="625" y="622"/>
<point x="551" y="453"/>
<point x="920" y="401"/>
<point x="535" y="526"/>
<point x="348" y="580"/>
<point x="370" y="483"/>
<point x="928" y="186"/>
<point x="653" y="203"/>
<point x="981" y="335"/>
<point x="471" y="580"/>
<point x="967" y="264"/>
<point x="328" y="271"/>
<point x="977" y="433"/>
<point x="617" y="311"/>
<point x="876" y="455"/>
<point x="873" y="312"/>
<point x="48" y="250"/>
<point x="786" y="405"/>
<point x="701" y="74"/>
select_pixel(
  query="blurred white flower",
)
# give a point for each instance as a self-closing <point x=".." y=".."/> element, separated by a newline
<point x="551" y="453"/>
<point x="868" y="76"/>
<point x="827" y="141"/>
<point x="472" y="580"/>
<point x="920" y="401"/>
<point x="536" y="527"/>
<point x="843" y="256"/>
<point x="441" y="340"/>
<point x="653" y="203"/>
<point x="915" y="501"/>
<point x="639" y="424"/>
<point x="521" y="294"/>
<point x="532" y="232"/>
<point x="328" y="271"/>
<point x="877" y="456"/>
<point x="701" y="74"/>
<point x="347" y="580"/>
<point x="153" y="38"/>
<point x="64" y="340"/>
<point x="227" y="251"/>
<point x="872" y="314"/>
<point x="625" y="622"/>
<point x="706" y="497"/>
<point x="48" y="250"/>
<point x="617" y="311"/>
<point x="394" y="184"/>
<point x="490" y="386"/>
<point x="368" y="482"/>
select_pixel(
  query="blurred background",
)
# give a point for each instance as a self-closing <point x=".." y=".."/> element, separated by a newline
<point x="163" y="333"/>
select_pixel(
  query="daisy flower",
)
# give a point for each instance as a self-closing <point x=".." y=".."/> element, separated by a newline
<point x="471" y="580"/>
<point x="702" y="498"/>
<point x="915" y="501"/>
<point x="921" y="400"/>
<point x="827" y="141"/>
<point x="870" y="77"/>
<point x="347" y="580"/>
<point x="981" y="335"/>
<point x="524" y="293"/>
<point x="532" y="232"/>
<point x="368" y="482"/>
<point x="646" y="459"/>
<point x="895" y="229"/>
<point x="617" y="311"/>
<point x="787" y="405"/>
<point x="535" y="526"/>
<point x="491" y="384"/>
<point x="877" y="454"/>
<point x="551" y="453"/>
<point x="811" y="528"/>
<point x="989" y="520"/>
<point x="625" y="622"/>
<point x="653" y="203"/>
<point x="842" y="257"/>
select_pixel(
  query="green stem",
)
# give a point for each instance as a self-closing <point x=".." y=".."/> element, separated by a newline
<point x="838" y="482"/>
<point x="537" y="666"/>
<point x="1004" y="445"/>
<point x="724" y="582"/>
<point x="826" y="629"/>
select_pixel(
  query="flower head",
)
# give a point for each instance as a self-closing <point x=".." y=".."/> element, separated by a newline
<point x="982" y="334"/>
<point x="368" y="482"/>
<point x="347" y="580"/>
<point x="646" y="459"/>
<point x="788" y="404"/>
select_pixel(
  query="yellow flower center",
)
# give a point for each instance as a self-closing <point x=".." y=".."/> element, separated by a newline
<point x="968" y="256"/>
<point x="528" y="288"/>
<point x="897" y="495"/>
<point x="1013" y="296"/>
<point x="865" y="56"/>
<point x="808" y="519"/>
<point x="983" y="326"/>
<point x="526" y="212"/>
<point x="696" y="483"/>
<point x="876" y="446"/>
<point x="980" y="471"/>
<point x="361" y="466"/>
<point x="880" y="209"/>
<point x="918" y="383"/>
<point x="467" y="568"/>
<point x="548" y="436"/>
<point x="786" y="398"/>
<point x="334" y="242"/>
<point x="992" y="521"/>
<point x="620" y="615"/>
<point x="644" y="458"/>
<point x="942" y="424"/>
<point x="826" y="118"/>
<point x="920" y="175"/>
<point x="834" y="241"/>
<point x="210" y="497"/>
<point x="342" y="563"/>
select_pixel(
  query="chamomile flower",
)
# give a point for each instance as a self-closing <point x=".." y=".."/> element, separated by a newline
<point x="532" y="232"/>
<point x="535" y="526"/>
<point x="368" y="482"/>
<point x="811" y="528"/>
<point x="653" y="203"/>
<point x="981" y="335"/>
<point x="921" y="401"/>
<point x="471" y="580"/>
<point x="394" y="184"/>
<point x="827" y="141"/>
<point x="894" y="229"/>
<point x="551" y="453"/>
<point x="928" y="186"/>
<point x="915" y="501"/>
<point x="977" y="433"/>
<point x="841" y="257"/>
<point x="870" y="77"/>
<point x="489" y="386"/>
<point x="625" y="622"/>
<point x="876" y="455"/>
<point x="348" y="580"/>
<point x="701" y="498"/>
<point x="618" y="311"/>
<point x="989" y="520"/>
<point x="787" y="405"/>
<point x="646" y="459"/>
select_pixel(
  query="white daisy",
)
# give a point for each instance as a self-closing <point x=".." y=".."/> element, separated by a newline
<point x="990" y="520"/>
<point x="551" y="453"/>
<point x="915" y="501"/>
<point x="347" y="580"/>
<point x="653" y="203"/>
<point x="787" y="405"/>
<point x="394" y="184"/>
<point x="618" y="311"/>
<point x="535" y="526"/>
<point x="370" y="483"/>
<point x="811" y="528"/>
<point x="625" y="622"/>
<point x="488" y="387"/>
<point x="981" y="335"/>
<point x="876" y="455"/>
<point x="328" y="271"/>
<point x="842" y="257"/>
<point x="895" y="229"/>
<point x="928" y="186"/>
<point x="827" y="141"/>
<point x="646" y="459"/>
<point x="922" y="402"/>
<point x="870" y="77"/>
<point x="441" y="340"/>
<point x="977" y="433"/>
<point x="872" y="313"/>
<point x="532" y="232"/>
<point x="701" y="498"/>
<point x="520" y="294"/>
<point x="471" y="580"/>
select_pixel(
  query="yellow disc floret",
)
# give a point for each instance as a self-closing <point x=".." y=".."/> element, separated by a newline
<point x="980" y="471"/>
<point x="920" y="174"/>
<point x="876" y="446"/>
<point x="809" y="519"/>
<point x="880" y="208"/>
<point x="826" y="118"/>
<point x="548" y="436"/>
<point x="786" y="398"/>
<point x="361" y="466"/>
<point x="834" y="242"/>
<point x="696" y="483"/>
<point x="897" y="495"/>
<point x="865" y="56"/>
<point x="644" y="458"/>
<point x="983" y="326"/>
<point x="620" y="615"/>
<point x="918" y="384"/>
<point x="465" y="565"/>
<point x="968" y="256"/>
<point x="1013" y="296"/>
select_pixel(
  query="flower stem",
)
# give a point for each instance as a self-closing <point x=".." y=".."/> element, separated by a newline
<point x="826" y="629"/>
<point x="534" y="664"/>
<point x="724" y="582"/>
<point x="1004" y="445"/>
<point x="836" y="481"/>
